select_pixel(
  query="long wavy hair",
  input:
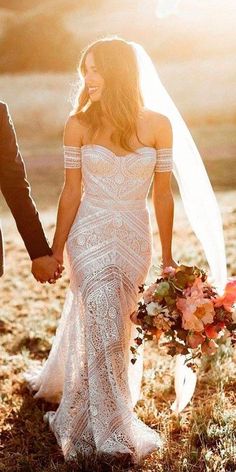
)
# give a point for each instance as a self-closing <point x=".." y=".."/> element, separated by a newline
<point x="121" y="99"/>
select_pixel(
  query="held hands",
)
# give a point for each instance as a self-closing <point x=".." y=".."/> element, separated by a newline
<point x="47" y="269"/>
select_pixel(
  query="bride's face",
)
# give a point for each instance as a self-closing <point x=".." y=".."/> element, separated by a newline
<point x="93" y="80"/>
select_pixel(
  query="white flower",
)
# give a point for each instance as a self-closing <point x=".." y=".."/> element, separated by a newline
<point x="153" y="308"/>
<point x="165" y="312"/>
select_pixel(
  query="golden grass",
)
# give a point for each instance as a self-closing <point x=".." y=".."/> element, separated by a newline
<point x="201" y="439"/>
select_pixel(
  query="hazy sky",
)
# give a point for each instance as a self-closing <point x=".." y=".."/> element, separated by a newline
<point x="183" y="7"/>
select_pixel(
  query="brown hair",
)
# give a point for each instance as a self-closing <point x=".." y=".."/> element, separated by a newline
<point x="121" y="98"/>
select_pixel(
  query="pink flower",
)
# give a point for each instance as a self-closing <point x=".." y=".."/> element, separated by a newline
<point x="229" y="296"/>
<point x="148" y="293"/>
<point x="197" y="310"/>
<point x="209" y="347"/>
<point x="168" y="271"/>
<point x="195" y="290"/>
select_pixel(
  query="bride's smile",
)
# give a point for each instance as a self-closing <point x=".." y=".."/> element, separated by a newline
<point x="93" y="80"/>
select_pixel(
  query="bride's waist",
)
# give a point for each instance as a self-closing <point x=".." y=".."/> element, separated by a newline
<point x="112" y="204"/>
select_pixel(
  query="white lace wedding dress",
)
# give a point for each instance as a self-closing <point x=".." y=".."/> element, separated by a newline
<point x="88" y="371"/>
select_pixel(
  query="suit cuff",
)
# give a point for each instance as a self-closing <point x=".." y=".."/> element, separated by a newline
<point x="39" y="251"/>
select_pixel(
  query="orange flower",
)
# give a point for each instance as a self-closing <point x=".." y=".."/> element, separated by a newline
<point x="229" y="296"/>
<point x="213" y="330"/>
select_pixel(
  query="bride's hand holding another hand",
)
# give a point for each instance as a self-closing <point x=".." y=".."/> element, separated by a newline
<point x="46" y="269"/>
<point x="58" y="255"/>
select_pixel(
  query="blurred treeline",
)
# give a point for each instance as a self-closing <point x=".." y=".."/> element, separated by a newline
<point x="48" y="35"/>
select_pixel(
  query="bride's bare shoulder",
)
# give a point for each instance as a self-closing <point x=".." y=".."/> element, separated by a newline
<point x="74" y="131"/>
<point x="155" y="119"/>
<point x="160" y="127"/>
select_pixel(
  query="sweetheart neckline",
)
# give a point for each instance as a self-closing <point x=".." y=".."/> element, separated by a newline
<point x="117" y="155"/>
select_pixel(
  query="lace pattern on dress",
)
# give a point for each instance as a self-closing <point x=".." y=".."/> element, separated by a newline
<point x="72" y="157"/>
<point x="164" y="161"/>
<point x="88" y="371"/>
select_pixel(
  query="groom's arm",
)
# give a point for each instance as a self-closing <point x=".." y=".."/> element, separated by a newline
<point x="16" y="189"/>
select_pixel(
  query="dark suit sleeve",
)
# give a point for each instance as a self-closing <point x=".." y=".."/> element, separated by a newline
<point x="16" y="189"/>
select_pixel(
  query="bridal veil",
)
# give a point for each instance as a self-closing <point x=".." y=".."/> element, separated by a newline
<point x="197" y="195"/>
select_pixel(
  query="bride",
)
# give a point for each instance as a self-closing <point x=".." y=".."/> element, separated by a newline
<point x="115" y="146"/>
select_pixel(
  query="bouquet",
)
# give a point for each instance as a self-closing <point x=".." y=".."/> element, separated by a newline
<point x="184" y="308"/>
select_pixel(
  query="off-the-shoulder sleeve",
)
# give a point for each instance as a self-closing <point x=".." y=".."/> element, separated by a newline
<point x="164" y="160"/>
<point x="72" y="157"/>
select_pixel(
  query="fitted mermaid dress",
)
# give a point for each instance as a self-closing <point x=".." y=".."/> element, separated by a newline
<point x="109" y="247"/>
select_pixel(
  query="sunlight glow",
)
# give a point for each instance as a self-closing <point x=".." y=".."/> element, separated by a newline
<point x="166" y="7"/>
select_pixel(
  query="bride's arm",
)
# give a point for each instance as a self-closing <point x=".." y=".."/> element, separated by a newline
<point x="70" y="196"/>
<point x="162" y="193"/>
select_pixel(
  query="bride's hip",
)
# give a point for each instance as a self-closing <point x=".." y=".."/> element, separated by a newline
<point x="111" y="226"/>
<point x="110" y="244"/>
<point x="103" y="219"/>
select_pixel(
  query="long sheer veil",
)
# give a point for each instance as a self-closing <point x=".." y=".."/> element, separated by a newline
<point x="197" y="195"/>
